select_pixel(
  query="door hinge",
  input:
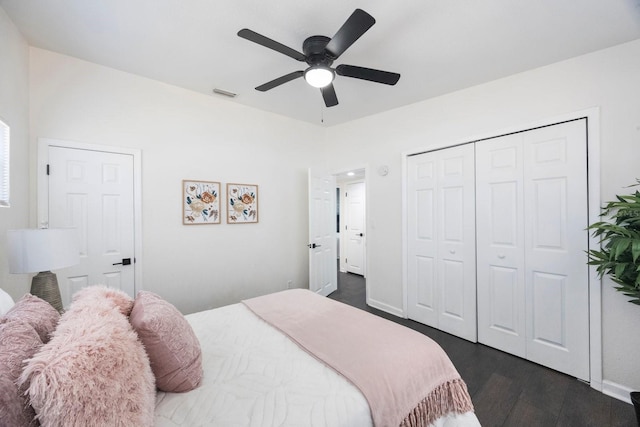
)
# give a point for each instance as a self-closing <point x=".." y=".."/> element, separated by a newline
<point x="346" y="194"/>
<point x="47" y="169"/>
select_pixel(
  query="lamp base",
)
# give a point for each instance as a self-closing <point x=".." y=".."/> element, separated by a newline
<point x="45" y="285"/>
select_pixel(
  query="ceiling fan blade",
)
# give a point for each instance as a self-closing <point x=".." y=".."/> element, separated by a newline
<point x="355" y="26"/>
<point x="329" y="95"/>
<point x="280" y="80"/>
<point x="245" y="33"/>
<point x="370" y="74"/>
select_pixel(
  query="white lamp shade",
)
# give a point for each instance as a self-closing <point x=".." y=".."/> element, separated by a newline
<point x="36" y="250"/>
<point x="318" y="76"/>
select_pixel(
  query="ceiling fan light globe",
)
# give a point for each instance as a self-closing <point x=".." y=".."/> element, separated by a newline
<point x="319" y="76"/>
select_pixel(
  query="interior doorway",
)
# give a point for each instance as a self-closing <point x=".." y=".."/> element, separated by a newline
<point x="351" y="221"/>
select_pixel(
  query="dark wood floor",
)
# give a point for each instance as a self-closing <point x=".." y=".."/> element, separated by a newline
<point x="507" y="390"/>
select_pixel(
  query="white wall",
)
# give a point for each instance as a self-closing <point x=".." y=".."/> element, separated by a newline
<point x="609" y="79"/>
<point x="186" y="135"/>
<point x="14" y="110"/>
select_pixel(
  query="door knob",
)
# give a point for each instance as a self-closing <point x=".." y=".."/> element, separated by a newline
<point x="313" y="245"/>
<point x="361" y="234"/>
<point x="125" y="261"/>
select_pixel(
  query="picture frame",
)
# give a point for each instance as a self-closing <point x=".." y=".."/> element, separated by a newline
<point x="200" y="202"/>
<point x="242" y="203"/>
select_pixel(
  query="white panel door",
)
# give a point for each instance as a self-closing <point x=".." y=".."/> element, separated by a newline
<point x="422" y="287"/>
<point x="355" y="228"/>
<point x="441" y="224"/>
<point x="533" y="295"/>
<point x="500" y="244"/>
<point x="557" y="299"/>
<point x="323" y="269"/>
<point x="92" y="191"/>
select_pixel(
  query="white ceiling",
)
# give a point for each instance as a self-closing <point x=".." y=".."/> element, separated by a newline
<point x="438" y="46"/>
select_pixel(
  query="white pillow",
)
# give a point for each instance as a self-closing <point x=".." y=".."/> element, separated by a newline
<point x="6" y="302"/>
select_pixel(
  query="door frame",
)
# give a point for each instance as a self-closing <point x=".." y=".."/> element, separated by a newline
<point x="42" y="190"/>
<point x="593" y="184"/>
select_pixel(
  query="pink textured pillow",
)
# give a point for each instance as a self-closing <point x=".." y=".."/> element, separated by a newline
<point x="36" y="312"/>
<point x="120" y="299"/>
<point x="94" y="371"/>
<point x="172" y="347"/>
<point x="18" y="342"/>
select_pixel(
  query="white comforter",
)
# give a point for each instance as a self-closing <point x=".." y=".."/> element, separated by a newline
<point x="254" y="376"/>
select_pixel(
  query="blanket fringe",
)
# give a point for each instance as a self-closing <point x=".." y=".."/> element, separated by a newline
<point x="448" y="397"/>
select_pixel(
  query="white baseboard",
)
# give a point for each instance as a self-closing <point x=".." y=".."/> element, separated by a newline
<point x="385" y="307"/>
<point x="617" y="391"/>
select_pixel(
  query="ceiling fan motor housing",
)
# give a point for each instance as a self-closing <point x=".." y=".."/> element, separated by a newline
<point x="314" y="50"/>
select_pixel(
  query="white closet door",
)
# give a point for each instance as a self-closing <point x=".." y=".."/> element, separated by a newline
<point x="500" y="244"/>
<point x="441" y="224"/>
<point x="533" y="298"/>
<point x="557" y="282"/>
<point x="422" y="245"/>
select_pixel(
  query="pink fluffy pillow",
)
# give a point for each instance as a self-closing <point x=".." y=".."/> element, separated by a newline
<point x="18" y="342"/>
<point x="116" y="297"/>
<point x="172" y="346"/>
<point x="36" y="312"/>
<point x="94" y="371"/>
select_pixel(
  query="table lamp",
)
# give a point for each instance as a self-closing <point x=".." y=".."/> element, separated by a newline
<point x="40" y="251"/>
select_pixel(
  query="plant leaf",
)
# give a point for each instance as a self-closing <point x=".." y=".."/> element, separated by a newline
<point x="619" y="270"/>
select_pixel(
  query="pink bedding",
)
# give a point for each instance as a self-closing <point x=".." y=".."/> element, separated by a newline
<point x="407" y="379"/>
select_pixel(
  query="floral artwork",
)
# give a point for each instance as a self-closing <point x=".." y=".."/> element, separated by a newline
<point x="242" y="203"/>
<point x="200" y="202"/>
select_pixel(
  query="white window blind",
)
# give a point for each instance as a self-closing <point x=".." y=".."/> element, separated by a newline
<point x="4" y="164"/>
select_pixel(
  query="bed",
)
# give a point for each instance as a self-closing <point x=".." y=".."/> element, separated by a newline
<point x="257" y="375"/>
<point x="291" y="358"/>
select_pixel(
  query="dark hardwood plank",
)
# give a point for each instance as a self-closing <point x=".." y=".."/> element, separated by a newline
<point x="622" y="414"/>
<point x="584" y="407"/>
<point x="495" y="400"/>
<point x="525" y="414"/>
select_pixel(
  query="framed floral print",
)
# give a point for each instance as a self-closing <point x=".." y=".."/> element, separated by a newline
<point x="200" y="202"/>
<point x="242" y="203"/>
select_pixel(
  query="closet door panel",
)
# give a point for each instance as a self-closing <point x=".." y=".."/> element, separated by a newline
<point x="456" y="241"/>
<point x="557" y="272"/>
<point x="441" y="240"/>
<point x="425" y="281"/>
<point x="451" y="259"/>
<point x="422" y="258"/>
<point x="500" y="244"/>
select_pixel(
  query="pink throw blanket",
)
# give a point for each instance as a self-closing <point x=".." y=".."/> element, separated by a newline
<point x="407" y="379"/>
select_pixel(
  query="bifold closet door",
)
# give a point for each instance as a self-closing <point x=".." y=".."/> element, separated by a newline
<point x="533" y="294"/>
<point x="500" y="244"/>
<point x="441" y="240"/>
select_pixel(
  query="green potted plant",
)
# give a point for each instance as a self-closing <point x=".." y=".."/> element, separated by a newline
<point x="619" y="254"/>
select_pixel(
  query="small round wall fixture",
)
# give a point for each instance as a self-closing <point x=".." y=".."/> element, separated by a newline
<point x="383" y="170"/>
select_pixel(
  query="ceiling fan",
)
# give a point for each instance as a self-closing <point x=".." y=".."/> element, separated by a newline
<point x="319" y="54"/>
